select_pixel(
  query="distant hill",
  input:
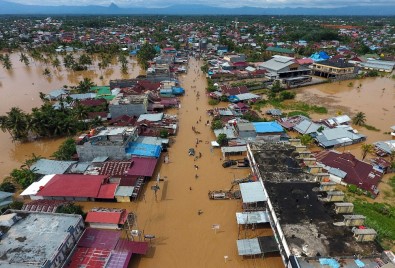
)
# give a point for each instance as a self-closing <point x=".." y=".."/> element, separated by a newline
<point x="15" y="8"/>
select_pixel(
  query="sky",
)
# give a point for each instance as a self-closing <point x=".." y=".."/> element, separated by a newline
<point x="219" y="3"/>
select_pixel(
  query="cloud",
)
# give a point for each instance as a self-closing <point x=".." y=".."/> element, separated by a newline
<point x="218" y="3"/>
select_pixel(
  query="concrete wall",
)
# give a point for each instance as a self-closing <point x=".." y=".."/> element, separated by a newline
<point x="127" y="109"/>
<point x="88" y="152"/>
<point x="103" y="225"/>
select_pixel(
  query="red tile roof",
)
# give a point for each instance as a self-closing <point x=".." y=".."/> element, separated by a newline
<point x="227" y="90"/>
<point x="142" y="166"/>
<point x="73" y="185"/>
<point x="118" y="217"/>
<point x="115" y="168"/>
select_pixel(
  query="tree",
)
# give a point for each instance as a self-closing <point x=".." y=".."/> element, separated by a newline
<point x="7" y="62"/>
<point x="7" y="187"/>
<point x="306" y="139"/>
<point x="359" y="119"/>
<point x="17" y="205"/>
<point x="366" y="149"/>
<point x="276" y="86"/>
<point x="221" y="139"/>
<point x="216" y="124"/>
<point x="163" y="133"/>
<point x="66" y="150"/>
<point x="85" y="85"/>
<point x="23" y="176"/>
<point x="146" y="53"/>
<point x="16" y="122"/>
<point x="23" y="58"/>
<point x="68" y="61"/>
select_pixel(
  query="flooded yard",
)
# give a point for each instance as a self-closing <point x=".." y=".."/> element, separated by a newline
<point x="20" y="87"/>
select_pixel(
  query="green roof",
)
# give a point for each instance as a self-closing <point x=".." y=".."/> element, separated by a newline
<point x="280" y="50"/>
<point x="103" y="92"/>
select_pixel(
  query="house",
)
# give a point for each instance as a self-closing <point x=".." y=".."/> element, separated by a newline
<point x="111" y="142"/>
<point x="385" y="147"/>
<point x="76" y="187"/>
<point x="37" y="239"/>
<point x="282" y="67"/>
<point x="105" y="218"/>
<point x="246" y="130"/>
<point x="131" y="105"/>
<point x="48" y="166"/>
<point x="105" y="248"/>
<point x="269" y="131"/>
<point x="336" y="137"/>
<point x="306" y="126"/>
<point x="243" y="97"/>
<point x="378" y="65"/>
<point x="345" y="168"/>
<point x="333" y="69"/>
<point x="143" y="150"/>
<point x="5" y="199"/>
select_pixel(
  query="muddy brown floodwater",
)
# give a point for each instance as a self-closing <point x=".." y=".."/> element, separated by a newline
<point x="184" y="238"/>
<point x="373" y="96"/>
<point x="20" y="87"/>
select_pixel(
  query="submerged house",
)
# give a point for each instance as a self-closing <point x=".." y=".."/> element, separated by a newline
<point x="111" y="142"/>
<point x="333" y="69"/>
<point x="282" y="67"/>
<point x="336" y="137"/>
<point x="345" y="168"/>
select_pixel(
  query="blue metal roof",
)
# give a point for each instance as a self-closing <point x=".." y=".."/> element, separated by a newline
<point x="267" y="127"/>
<point x="142" y="149"/>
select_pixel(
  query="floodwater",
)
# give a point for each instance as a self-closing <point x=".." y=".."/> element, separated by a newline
<point x="184" y="238"/>
<point x="20" y="87"/>
<point x="373" y="96"/>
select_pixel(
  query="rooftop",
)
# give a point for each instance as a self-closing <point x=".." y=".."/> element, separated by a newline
<point x="276" y="162"/>
<point x="34" y="238"/>
<point x="308" y="224"/>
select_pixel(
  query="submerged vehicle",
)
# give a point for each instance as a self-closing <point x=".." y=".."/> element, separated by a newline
<point x="191" y="152"/>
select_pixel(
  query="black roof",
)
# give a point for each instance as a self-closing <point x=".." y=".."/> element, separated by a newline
<point x="336" y="63"/>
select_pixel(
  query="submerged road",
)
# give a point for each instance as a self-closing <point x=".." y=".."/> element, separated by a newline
<point x="181" y="215"/>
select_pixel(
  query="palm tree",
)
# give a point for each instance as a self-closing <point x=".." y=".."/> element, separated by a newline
<point x="359" y="119"/>
<point x="16" y="123"/>
<point x="7" y="62"/>
<point x="366" y="149"/>
<point x="80" y="112"/>
<point x="85" y="85"/>
<point x="23" y="58"/>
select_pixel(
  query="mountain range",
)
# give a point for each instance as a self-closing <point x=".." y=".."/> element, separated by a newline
<point x="18" y="9"/>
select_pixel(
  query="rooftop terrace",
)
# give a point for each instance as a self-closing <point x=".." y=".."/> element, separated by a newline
<point x="34" y="238"/>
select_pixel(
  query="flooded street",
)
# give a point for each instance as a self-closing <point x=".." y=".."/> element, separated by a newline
<point x="184" y="238"/>
<point x="20" y="87"/>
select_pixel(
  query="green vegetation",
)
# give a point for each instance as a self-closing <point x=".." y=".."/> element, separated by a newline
<point x="294" y="113"/>
<point x="299" y="106"/>
<point x="213" y="102"/>
<point x="163" y="133"/>
<point x="71" y="209"/>
<point x="216" y="124"/>
<point x="221" y="139"/>
<point x="7" y="187"/>
<point x="66" y="150"/>
<point x="16" y="205"/>
<point x="306" y="139"/>
<point x="379" y="216"/>
<point x="146" y="53"/>
<point x="366" y="149"/>
<point x="23" y="176"/>
<point x="252" y="117"/>
<point x="369" y="127"/>
<point x="359" y="119"/>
